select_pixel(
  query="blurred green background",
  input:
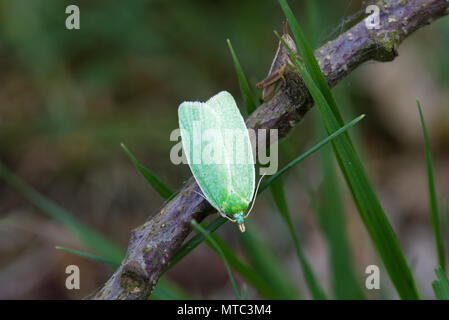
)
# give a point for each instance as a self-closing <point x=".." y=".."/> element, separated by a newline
<point x="68" y="98"/>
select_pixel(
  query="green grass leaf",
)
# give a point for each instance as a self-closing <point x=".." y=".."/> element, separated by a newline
<point x="167" y="290"/>
<point x="363" y="194"/>
<point x="447" y="220"/>
<point x="243" y="83"/>
<point x="441" y="285"/>
<point x="313" y="16"/>
<point x="244" y="270"/>
<point x="265" y="184"/>
<point x="157" y="184"/>
<point x="220" y="253"/>
<point x="164" y="290"/>
<point x="432" y="193"/>
<point x="90" y="256"/>
<point x="330" y="214"/>
<point x="329" y="209"/>
<point x="194" y="242"/>
<point x="309" y="60"/>
<point x="244" y="294"/>
<point x="248" y="273"/>
<point x="94" y="240"/>
<point x="266" y="263"/>
<point x="108" y="252"/>
<point x="277" y="190"/>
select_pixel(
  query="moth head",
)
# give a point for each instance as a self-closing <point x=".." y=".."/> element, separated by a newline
<point x="240" y="220"/>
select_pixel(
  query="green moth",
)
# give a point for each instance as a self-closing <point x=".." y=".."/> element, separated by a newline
<point x="218" y="149"/>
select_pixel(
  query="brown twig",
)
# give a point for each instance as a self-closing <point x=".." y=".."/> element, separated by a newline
<point x="154" y="243"/>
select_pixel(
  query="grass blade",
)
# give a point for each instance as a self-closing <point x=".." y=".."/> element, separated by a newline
<point x="265" y="184"/>
<point x="167" y="290"/>
<point x="329" y="210"/>
<point x="266" y="263"/>
<point x="368" y="205"/>
<point x="157" y="184"/>
<point x="194" y="242"/>
<point x="245" y="294"/>
<point x="277" y="190"/>
<point x="243" y="83"/>
<point x="331" y="218"/>
<point x="88" y="236"/>
<point x="90" y="256"/>
<point x="247" y="272"/>
<point x="447" y="220"/>
<point x="220" y="253"/>
<point x="257" y="279"/>
<point x="164" y="290"/>
<point x="313" y="20"/>
<point x="432" y="194"/>
<point x="111" y="254"/>
<point x="309" y="60"/>
<point x="441" y="285"/>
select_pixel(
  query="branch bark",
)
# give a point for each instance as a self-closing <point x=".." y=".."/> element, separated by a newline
<point x="154" y="243"/>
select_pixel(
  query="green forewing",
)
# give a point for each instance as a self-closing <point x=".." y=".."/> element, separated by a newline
<point x="229" y="184"/>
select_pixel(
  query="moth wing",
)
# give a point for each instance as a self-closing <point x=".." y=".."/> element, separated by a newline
<point x="242" y="173"/>
<point x="213" y="179"/>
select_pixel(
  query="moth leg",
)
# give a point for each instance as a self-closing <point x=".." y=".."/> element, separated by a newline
<point x="221" y="214"/>
<point x="283" y="79"/>
<point x="292" y="65"/>
<point x="270" y="83"/>
<point x="268" y="92"/>
<point x="226" y="216"/>
<point x="270" y="79"/>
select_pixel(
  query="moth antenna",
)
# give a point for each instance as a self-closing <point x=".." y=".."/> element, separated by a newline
<point x="226" y="216"/>
<point x="255" y="195"/>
